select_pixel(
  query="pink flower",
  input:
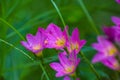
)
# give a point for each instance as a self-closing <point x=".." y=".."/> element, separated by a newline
<point x="112" y="63"/>
<point x="75" y="43"/>
<point x="113" y="33"/>
<point x="67" y="65"/>
<point x="106" y="53"/>
<point x="35" y="43"/>
<point x="118" y="1"/>
<point x="110" y="32"/>
<point x="56" y="38"/>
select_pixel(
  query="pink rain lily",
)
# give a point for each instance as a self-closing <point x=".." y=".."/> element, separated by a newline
<point x="75" y="43"/>
<point x="106" y="53"/>
<point x="113" y="33"/>
<point x="112" y="63"/>
<point x="110" y="32"/>
<point x="35" y="43"/>
<point x="67" y="65"/>
<point x="56" y="38"/>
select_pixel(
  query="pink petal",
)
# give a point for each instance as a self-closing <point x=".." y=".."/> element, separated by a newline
<point x="41" y="29"/>
<point x="112" y="63"/>
<point x="56" y="66"/>
<point x="42" y="33"/>
<point x="75" y="35"/>
<point x="115" y="19"/>
<point x="26" y="45"/>
<point x="38" y="38"/>
<point x="54" y="30"/>
<point x="63" y="59"/>
<point x="73" y="57"/>
<point x="97" y="46"/>
<point x="98" y="57"/>
<point x="103" y="43"/>
<point x="110" y="32"/>
<point x="78" y="61"/>
<point x="82" y="43"/>
<point x="60" y="74"/>
<point x="66" y="78"/>
<point x="65" y="33"/>
<point x="30" y="39"/>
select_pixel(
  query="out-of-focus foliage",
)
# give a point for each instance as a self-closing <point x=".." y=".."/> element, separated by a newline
<point x="27" y="15"/>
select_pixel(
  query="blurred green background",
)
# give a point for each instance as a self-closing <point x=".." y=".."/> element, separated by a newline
<point x="27" y="15"/>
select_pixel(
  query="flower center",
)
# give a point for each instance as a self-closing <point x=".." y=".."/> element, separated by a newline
<point x="74" y="46"/>
<point x="36" y="47"/>
<point x="60" y="42"/>
<point x="112" y="51"/>
<point x="69" y="69"/>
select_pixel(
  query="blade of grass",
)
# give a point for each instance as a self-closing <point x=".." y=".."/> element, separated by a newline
<point x="91" y="66"/>
<point x="12" y="28"/>
<point x="17" y="49"/>
<point x="12" y="8"/>
<point x="58" y="13"/>
<point x="88" y="16"/>
<point x="81" y="53"/>
<point x="42" y="76"/>
<point x="33" y="22"/>
<point x="14" y="74"/>
<point x="41" y="65"/>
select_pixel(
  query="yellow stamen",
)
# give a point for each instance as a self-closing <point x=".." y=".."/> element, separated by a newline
<point x="74" y="46"/>
<point x="112" y="51"/>
<point x="60" y="42"/>
<point x="69" y="69"/>
<point x="37" y="47"/>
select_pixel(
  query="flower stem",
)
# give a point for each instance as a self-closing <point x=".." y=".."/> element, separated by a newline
<point x="58" y="12"/>
<point x="88" y="16"/>
<point x="42" y="67"/>
<point x="12" y="28"/>
<point x="91" y="66"/>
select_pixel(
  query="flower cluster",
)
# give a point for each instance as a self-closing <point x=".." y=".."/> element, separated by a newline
<point x="108" y="53"/>
<point x="54" y="37"/>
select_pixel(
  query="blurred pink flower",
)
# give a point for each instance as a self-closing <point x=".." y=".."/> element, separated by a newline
<point x="67" y="65"/>
<point x="113" y="33"/>
<point x="35" y="43"/>
<point x="75" y="43"/>
<point x="110" y="32"/>
<point x="56" y="38"/>
<point x="118" y="1"/>
<point x="106" y="53"/>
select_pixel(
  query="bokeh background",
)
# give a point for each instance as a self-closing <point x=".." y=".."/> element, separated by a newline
<point x="27" y="15"/>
